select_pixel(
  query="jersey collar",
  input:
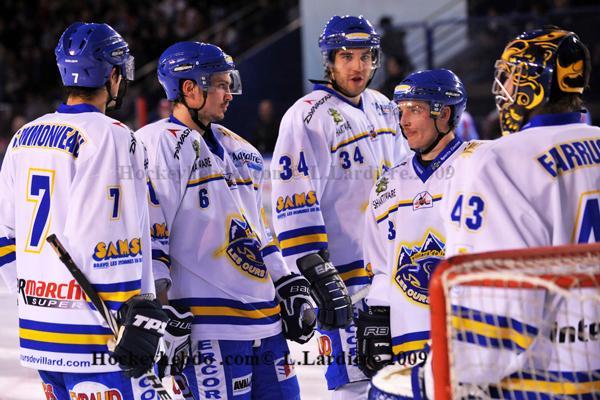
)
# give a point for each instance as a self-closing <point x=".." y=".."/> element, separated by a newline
<point x="209" y="137"/>
<point x="327" y="89"/>
<point x="175" y="120"/>
<point x="553" y="119"/>
<point x="425" y="172"/>
<point x="76" y="108"/>
<point x="212" y="142"/>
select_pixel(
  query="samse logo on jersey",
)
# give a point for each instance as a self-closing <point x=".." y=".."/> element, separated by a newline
<point x="415" y="265"/>
<point x="243" y="248"/>
<point x="118" y="252"/>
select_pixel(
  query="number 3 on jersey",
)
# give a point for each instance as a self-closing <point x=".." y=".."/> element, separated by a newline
<point x="40" y="185"/>
<point x="468" y="211"/>
<point x="587" y="224"/>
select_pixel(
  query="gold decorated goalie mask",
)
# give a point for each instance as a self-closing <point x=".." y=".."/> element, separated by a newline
<point x="535" y="67"/>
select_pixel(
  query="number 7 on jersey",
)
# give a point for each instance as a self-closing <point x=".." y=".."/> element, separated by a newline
<point x="40" y="185"/>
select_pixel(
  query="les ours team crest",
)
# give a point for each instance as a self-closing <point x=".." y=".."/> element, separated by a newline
<point x="243" y="248"/>
<point x="416" y="263"/>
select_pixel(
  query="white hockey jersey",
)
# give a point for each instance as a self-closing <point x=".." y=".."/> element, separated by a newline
<point x="209" y="237"/>
<point x="537" y="187"/>
<point x="404" y="242"/>
<point x="328" y="155"/>
<point x="79" y="174"/>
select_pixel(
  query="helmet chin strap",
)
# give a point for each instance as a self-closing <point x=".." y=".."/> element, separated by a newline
<point x="195" y="111"/>
<point x="115" y="102"/>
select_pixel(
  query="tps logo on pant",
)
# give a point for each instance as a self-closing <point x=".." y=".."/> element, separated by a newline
<point x="94" y="391"/>
<point x="416" y="262"/>
<point x="243" y="248"/>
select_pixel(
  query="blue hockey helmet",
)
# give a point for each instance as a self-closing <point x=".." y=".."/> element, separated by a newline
<point x="346" y="32"/>
<point x="87" y="52"/>
<point x="437" y="87"/>
<point x="197" y="62"/>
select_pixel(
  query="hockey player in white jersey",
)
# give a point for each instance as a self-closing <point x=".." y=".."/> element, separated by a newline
<point x="404" y="235"/>
<point x="536" y="186"/>
<point x="211" y="246"/>
<point x="333" y="144"/>
<point x="80" y="174"/>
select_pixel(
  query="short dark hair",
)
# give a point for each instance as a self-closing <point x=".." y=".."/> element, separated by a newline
<point x="83" y="92"/>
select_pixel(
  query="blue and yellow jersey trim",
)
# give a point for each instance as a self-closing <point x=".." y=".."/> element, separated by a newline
<point x="244" y="182"/>
<point x="63" y="338"/>
<point x="205" y="179"/>
<point x="115" y="294"/>
<point x="270" y="248"/>
<point x="549" y="385"/>
<point x="362" y="135"/>
<point x="477" y="327"/>
<point x="7" y="251"/>
<point x="409" y="342"/>
<point x="230" y="312"/>
<point x="296" y="241"/>
<point x="161" y="256"/>
<point x="400" y="204"/>
<point x="354" y="273"/>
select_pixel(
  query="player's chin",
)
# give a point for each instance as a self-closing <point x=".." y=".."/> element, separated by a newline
<point x="414" y="140"/>
<point x="218" y="116"/>
<point x="355" y="88"/>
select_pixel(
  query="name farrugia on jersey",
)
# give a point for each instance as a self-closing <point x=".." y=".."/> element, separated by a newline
<point x="50" y="136"/>
<point x="570" y="156"/>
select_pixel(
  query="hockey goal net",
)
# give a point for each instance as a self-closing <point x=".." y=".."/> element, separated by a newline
<point x="519" y="324"/>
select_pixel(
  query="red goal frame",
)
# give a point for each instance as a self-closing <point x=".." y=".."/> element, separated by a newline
<point x="437" y="299"/>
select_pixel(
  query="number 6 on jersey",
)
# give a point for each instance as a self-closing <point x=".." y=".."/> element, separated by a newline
<point x="40" y="185"/>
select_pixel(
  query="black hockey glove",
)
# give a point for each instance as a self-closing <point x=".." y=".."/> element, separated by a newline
<point x="328" y="290"/>
<point x="373" y="339"/>
<point x="297" y="311"/>
<point x="177" y="341"/>
<point x="142" y="324"/>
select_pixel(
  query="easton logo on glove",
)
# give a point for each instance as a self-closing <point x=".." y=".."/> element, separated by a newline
<point x="328" y="290"/>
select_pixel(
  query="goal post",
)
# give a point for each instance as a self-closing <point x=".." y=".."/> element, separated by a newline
<point x="517" y="324"/>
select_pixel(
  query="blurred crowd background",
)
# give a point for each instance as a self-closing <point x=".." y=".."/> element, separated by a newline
<point x="264" y="30"/>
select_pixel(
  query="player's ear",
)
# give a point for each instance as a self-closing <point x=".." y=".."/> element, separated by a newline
<point x="187" y="87"/>
<point x="115" y="73"/>
<point x="445" y="114"/>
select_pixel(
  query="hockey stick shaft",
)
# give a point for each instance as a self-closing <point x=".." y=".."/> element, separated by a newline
<point x="84" y="283"/>
<point x="91" y="293"/>
<point x="361" y="294"/>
